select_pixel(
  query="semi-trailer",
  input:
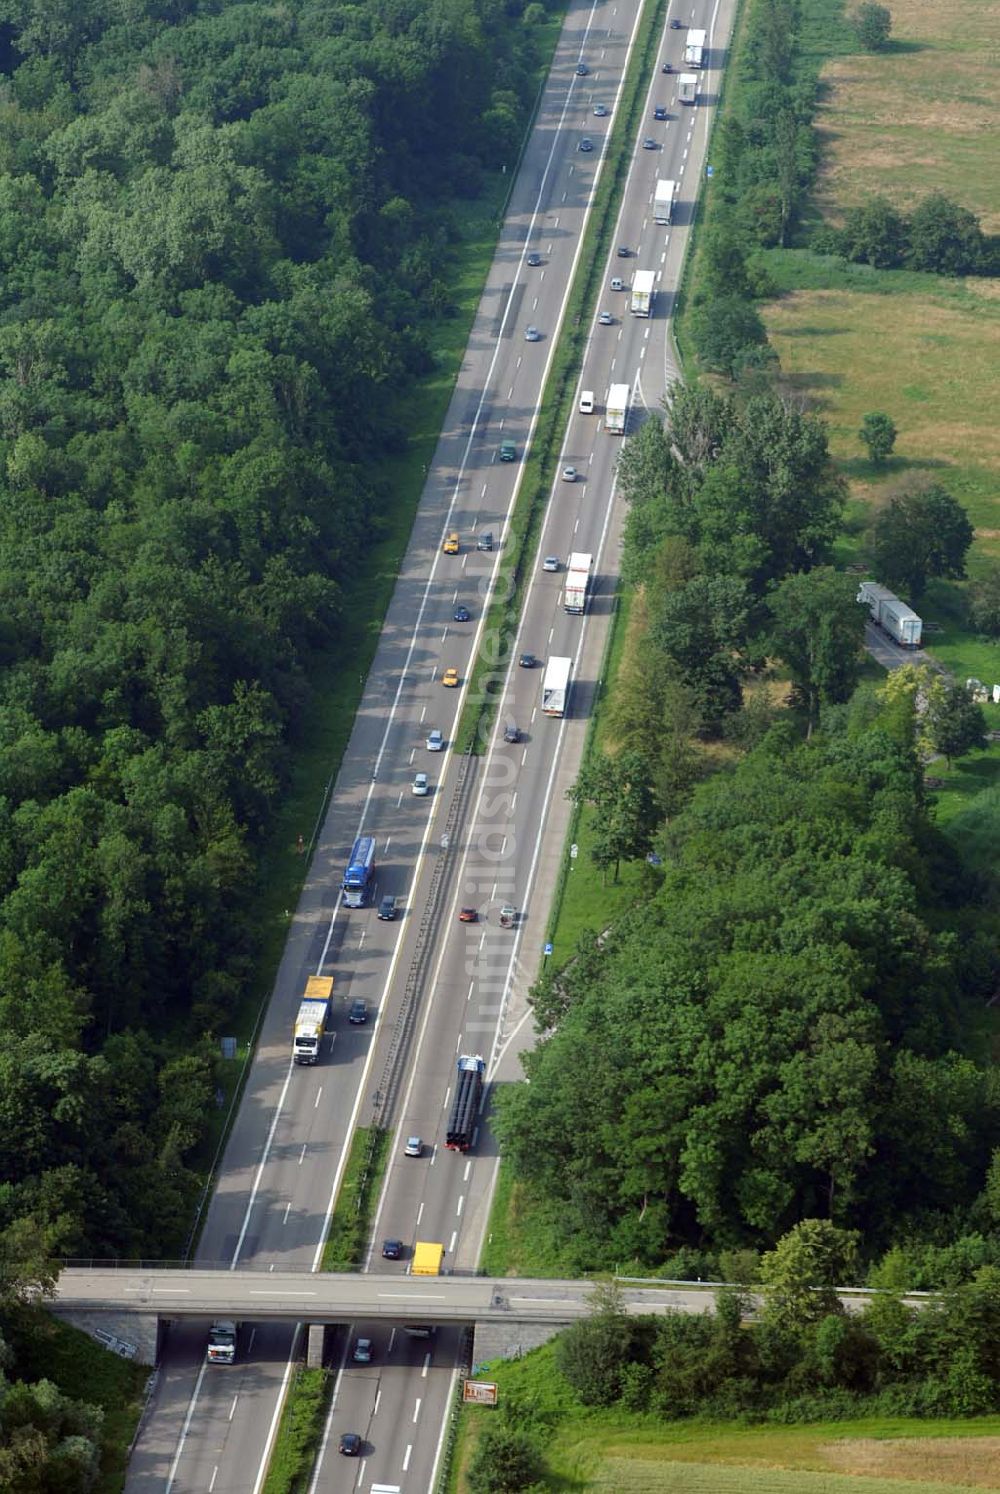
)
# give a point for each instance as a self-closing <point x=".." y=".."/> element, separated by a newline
<point x="643" y="292"/>
<point x="694" y="49"/>
<point x="616" y="409"/>
<point x="312" y="1019"/>
<point x="897" y="619"/>
<point x="578" y="568"/>
<point x="359" y="876"/>
<point x="465" y="1105"/>
<point x="555" y="686"/>
<point x="663" y="201"/>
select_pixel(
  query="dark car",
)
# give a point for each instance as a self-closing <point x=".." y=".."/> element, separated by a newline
<point x="659" y="112"/>
<point x="582" y="70"/>
<point x="350" y="1444"/>
<point x="358" y="1012"/>
<point x="675" y="24"/>
<point x="586" y="144"/>
<point x="666" y="68"/>
<point x="387" y="908"/>
<point x="485" y="540"/>
<point x="392" y="1250"/>
<point x="534" y="259"/>
<point x="623" y="251"/>
<point x="649" y="143"/>
<point x="461" y="614"/>
<point x="511" y="732"/>
<point x="527" y="661"/>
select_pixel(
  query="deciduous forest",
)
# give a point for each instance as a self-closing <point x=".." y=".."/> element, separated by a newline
<point x="223" y="230"/>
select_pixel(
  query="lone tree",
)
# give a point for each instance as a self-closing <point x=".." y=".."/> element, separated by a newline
<point x="922" y="533"/>
<point x="872" y="24"/>
<point x="505" y="1460"/>
<point x="955" y="723"/>
<point x="878" y="432"/>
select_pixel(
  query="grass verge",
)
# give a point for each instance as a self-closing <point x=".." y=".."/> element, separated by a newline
<point x="47" y="1349"/>
<point x="620" y="1451"/>
<point x="359" y="1189"/>
<point x="299" y="1432"/>
<point x="521" y="538"/>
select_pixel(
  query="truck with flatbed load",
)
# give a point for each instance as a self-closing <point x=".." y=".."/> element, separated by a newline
<point x="555" y="686"/>
<point x="897" y="619"/>
<point x="465" y="1104"/>
<point x="663" y="201"/>
<point x="222" y="1338"/>
<point x="578" y="568"/>
<point x="694" y="49"/>
<point x="616" y="409"/>
<point x="643" y="292"/>
<point x="359" y="877"/>
<point x="313" y="1019"/>
<point x="687" y="88"/>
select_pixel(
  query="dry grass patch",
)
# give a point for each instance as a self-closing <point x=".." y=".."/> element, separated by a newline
<point x="922" y="117"/>
<point x="970" y="1461"/>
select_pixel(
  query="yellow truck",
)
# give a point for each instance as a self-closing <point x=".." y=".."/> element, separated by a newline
<point x="426" y="1259"/>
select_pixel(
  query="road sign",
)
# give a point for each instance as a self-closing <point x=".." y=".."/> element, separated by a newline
<point x="547" y="949"/>
<point x="574" y="851"/>
<point x="480" y="1392"/>
<point x="709" y="170"/>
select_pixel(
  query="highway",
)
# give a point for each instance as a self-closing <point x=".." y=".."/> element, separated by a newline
<point x="279" y="1175"/>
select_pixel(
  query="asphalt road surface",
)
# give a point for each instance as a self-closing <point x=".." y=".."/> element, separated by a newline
<point x="211" y="1431"/>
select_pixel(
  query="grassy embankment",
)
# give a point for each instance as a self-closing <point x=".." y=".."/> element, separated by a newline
<point x="922" y="117"/>
<point x="614" y="1452"/>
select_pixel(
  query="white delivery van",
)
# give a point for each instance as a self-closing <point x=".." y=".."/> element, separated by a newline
<point x="586" y="402"/>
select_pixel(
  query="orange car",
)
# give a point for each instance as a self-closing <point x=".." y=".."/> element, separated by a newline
<point x="450" y="678"/>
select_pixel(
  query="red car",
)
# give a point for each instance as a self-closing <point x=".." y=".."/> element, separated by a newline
<point x="467" y="915"/>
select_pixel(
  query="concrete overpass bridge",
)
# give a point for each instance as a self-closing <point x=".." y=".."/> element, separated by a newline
<point x="127" y="1306"/>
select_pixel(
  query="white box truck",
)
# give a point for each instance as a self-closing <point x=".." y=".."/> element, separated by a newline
<point x="555" y="686"/>
<point x="663" y="202"/>
<point x="578" y="568"/>
<point x="222" y="1338"/>
<point x="643" y="292"/>
<point x="694" y="49"/>
<point x="900" y="622"/>
<point x="312" y="1019"/>
<point x="687" y="87"/>
<point x="616" y="409"/>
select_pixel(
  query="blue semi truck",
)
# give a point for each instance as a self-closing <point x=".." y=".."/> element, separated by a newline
<point x="359" y="878"/>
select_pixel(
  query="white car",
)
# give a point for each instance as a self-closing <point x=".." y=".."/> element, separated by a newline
<point x="414" y="1147"/>
<point x="532" y="334"/>
<point x="435" y="741"/>
<point x="363" y="1351"/>
<point x="569" y="474"/>
<point x="550" y="563"/>
<point x="420" y="785"/>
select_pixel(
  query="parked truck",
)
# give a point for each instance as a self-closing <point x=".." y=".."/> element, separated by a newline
<point x="465" y="1105"/>
<point x="663" y="201"/>
<point x="643" y="292"/>
<point x="555" y="686"/>
<point x="694" y="49"/>
<point x="313" y="1019"/>
<point x="222" y="1338"/>
<point x="687" y="88"/>
<point x="616" y="409"/>
<point x="900" y="622"/>
<point x="577" y="582"/>
<point x="359" y="878"/>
